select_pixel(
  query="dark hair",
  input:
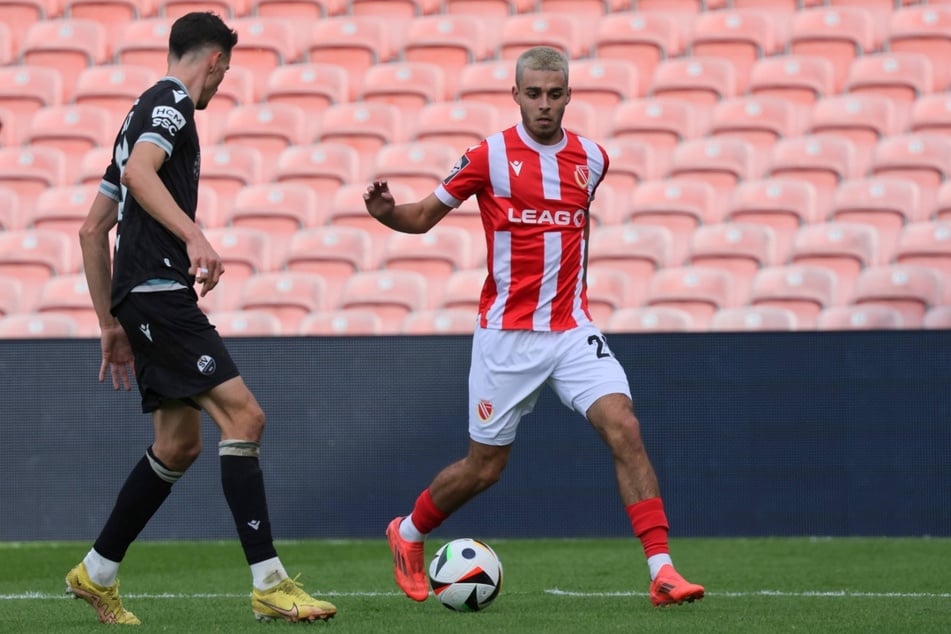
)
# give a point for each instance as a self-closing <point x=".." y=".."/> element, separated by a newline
<point x="196" y="30"/>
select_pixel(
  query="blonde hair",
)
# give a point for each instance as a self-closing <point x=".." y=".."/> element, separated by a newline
<point x="541" y="58"/>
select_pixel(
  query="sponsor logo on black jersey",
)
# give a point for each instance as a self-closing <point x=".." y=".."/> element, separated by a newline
<point x="169" y="118"/>
<point x="207" y="365"/>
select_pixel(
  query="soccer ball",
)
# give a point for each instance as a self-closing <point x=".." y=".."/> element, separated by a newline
<point x="466" y="575"/>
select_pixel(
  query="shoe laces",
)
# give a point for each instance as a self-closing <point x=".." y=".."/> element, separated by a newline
<point x="295" y="587"/>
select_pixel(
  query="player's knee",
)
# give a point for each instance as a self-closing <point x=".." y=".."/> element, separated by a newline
<point x="178" y="454"/>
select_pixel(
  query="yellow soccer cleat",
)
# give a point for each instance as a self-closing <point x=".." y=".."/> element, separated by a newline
<point x="288" y="601"/>
<point x="104" y="599"/>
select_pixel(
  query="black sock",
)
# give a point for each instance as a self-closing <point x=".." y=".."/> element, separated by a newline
<point x="243" y="485"/>
<point x="144" y="491"/>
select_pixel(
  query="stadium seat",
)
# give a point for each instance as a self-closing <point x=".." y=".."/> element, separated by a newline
<point x="35" y="255"/>
<point x="845" y="248"/>
<point x="227" y="168"/>
<point x="738" y="36"/>
<point x="753" y="319"/>
<point x="395" y="8"/>
<point x="489" y="82"/>
<point x="143" y="43"/>
<point x="886" y="204"/>
<point x="10" y="216"/>
<point x="301" y="10"/>
<point x="268" y="128"/>
<point x="636" y="250"/>
<point x="569" y="34"/>
<point x="780" y="204"/>
<point x="760" y="121"/>
<point x="279" y="209"/>
<point x="458" y="124"/>
<point x="442" y="321"/>
<point x="335" y="253"/>
<point x="436" y="254"/>
<point x="700" y="291"/>
<point x="323" y="167"/>
<point x="407" y="85"/>
<point x="420" y="166"/>
<point x="649" y="319"/>
<point x="661" y="123"/>
<point x="581" y="118"/>
<point x="67" y="46"/>
<point x="289" y="296"/>
<point x="366" y="127"/>
<point x="863" y="119"/>
<point x="449" y="41"/>
<point x="740" y="249"/>
<point x="921" y="158"/>
<point x="263" y="45"/>
<point x="354" y="42"/>
<point x="802" y="79"/>
<point x="246" y="323"/>
<point x="938" y="318"/>
<point x="489" y="8"/>
<point x="20" y="15"/>
<point x="7" y="48"/>
<point x="311" y="87"/>
<point x="24" y="89"/>
<point x="926" y="244"/>
<point x="38" y="326"/>
<point x="208" y="212"/>
<point x="902" y="77"/>
<point x="607" y="290"/>
<point x="824" y="161"/>
<point x="942" y="204"/>
<point x="30" y="170"/>
<point x="391" y="294"/>
<point x="228" y="9"/>
<point x="723" y="163"/>
<point x="71" y="129"/>
<point x="224" y="297"/>
<point x="69" y="295"/>
<point x="678" y="6"/>
<point x="348" y="208"/>
<point x="110" y="13"/>
<point x="925" y="30"/>
<point x="680" y="205"/>
<point x="61" y="209"/>
<point x="113" y="87"/>
<point x="244" y="252"/>
<point x="931" y="114"/>
<point x="93" y="165"/>
<point x="354" y="322"/>
<point x="700" y="80"/>
<point x="911" y="290"/>
<point x="803" y="290"/>
<point x="641" y="39"/>
<point x="11" y="296"/>
<point x="463" y="290"/>
<point x="859" y="317"/>
<point x="603" y="83"/>
<point x="839" y="34"/>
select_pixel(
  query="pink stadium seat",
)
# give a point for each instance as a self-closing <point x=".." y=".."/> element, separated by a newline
<point x="354" y="42"/>
<point x="113" y="87"/>
<point x="844" y="248"/>
<point x="753" y="319"/>
<point x="700" y="291"/>
<point x="20" y="15"/>
<point x="420" y="166"/>
<point x="824" y="161"/>
<point x="678" y="6"/>
<point x="391" y="294"/>
<point x="227" y="168"/>
<point x="246" y="323"/>
<point x="723" y="163"/>
<point x="110" y="13"/>
<point x="931" y="114"/>
<point x="700" y="80"/>
<point x="366" y="127"/>
<point x="803" y="290"/>
<point x="406" y="85"/>
<point x="24" y="89"/>
<point x="61" y="208"/>
<point x="354" y="322"/>
<point x="10" y="216"/>
<point x="228" y="9"/>
<point x="641" y="39"/>
<point x="603" y="83"/>
<point x="633" y="162"/>
<point x="650" y="319"/>
<point x="938" y="318"/>
<point x="942" y="205"/>
<point x="760" y="121"/>
<point x="279" y="209"/>
<point x="608" y="289"/>
<point x="680" y="205"/>
<point x="208" y="213"/>
<point x="334" y="253"/>
<point x="268" y="128"/>
<point x="902" y="77"/>
<point x="323" y="167"/>
<point x="740" y="249"/>
<point x="244" y="252"/>
<point x="35" y="255"/>
<point x="144" y="43"/>
<point x="922" y="158"/>
<point x="93" y="166"/>
<point x="839" y="34"/>
<point x="523" y="31"/>
<point x="449" y="41"/>
<point x="463" y="289"/>
<point x="311" y="87"/>
<point x="584" y="7"/>
<point x="911" y="290"/>
<point x="636" y="250"/>
<point x="459" y="124"/>
<point x="11" y="296"/>
<point x="739" y="36"/>
<point x="30" y="170"/>
<point x="662" y="123"/>
<point x="859" y="317"/>
<point x="263" y="45"/>
<point x="442" y="321"/>
<point x="348" y="209"/>
<point x="289" y="296"/>
<point x="801" y="79"/>
<point x="780" y="204"/>
<point x="489" y="8"/>
<point x="69" y="295"/>
<point x="38" y="326"/>
<point x="489" y="82"/>
<point x="71" y="129"/>
<point x="301" y="10"/>
<point x="7" y="48"/>
<point x="863" y="119"/>
<point x="395" y="8"/>
<point x="67" y="45"/>
<point x="925" y="30"/>
<point x="436" y="254"/>
<point x="926" y="244"/>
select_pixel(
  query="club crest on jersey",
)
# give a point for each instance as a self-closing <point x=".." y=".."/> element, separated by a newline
<point x="207" y="365"/>
<point x="582" y="176"/>
<point x="169" y="118"/>
<point x="458" y="167"/>
<point x="484" y="410"/>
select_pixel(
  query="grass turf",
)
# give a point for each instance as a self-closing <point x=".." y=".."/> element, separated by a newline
<point x="551" y="586"/>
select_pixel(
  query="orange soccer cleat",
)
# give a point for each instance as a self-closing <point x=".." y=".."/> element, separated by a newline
<point x="669" y="588"/>
<point x="408" y="563"/>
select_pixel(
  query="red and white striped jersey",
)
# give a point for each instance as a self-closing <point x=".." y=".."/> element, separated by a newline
<point x="534" y="203"/>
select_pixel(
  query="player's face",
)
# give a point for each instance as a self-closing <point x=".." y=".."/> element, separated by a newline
<point x="542" y="96"/>
<point x="219" y="63"/>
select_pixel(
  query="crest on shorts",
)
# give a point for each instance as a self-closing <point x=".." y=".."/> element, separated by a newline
<point x="206" y="364"/>
<point x="582" y="176"/>
<point x="484" y="410"/>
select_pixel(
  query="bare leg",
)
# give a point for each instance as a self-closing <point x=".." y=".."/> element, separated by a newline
<point x="463" y="480"/>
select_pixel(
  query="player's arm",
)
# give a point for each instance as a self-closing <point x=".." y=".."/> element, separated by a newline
<point x="413" y="217"/>
<point x="141" y="178"/>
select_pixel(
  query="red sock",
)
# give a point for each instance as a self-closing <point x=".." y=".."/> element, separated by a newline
<point x="426" y="516"/>
<point x="650" y="525"/>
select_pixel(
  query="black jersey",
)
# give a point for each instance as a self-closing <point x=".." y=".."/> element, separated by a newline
<point x="145" y="250"/>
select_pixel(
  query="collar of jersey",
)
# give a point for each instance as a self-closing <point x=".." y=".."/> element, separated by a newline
<point x="538" y="147"/>
<point x="176" y="80"/>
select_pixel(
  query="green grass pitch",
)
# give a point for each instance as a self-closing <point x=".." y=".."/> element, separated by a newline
<point x="551" y="586"/>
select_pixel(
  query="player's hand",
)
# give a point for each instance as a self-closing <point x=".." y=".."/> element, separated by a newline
<point x="206" y="265"/>
<point x="116" y="357"/>
<point x="378" y="199"/>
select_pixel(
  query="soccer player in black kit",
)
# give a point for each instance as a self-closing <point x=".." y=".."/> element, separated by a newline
<point x="148" y="313"/>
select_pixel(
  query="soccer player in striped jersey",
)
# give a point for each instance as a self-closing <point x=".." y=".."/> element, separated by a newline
<point x="534" y="183"/>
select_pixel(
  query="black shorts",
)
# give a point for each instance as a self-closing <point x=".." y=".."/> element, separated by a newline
<point x="178" y="353"/>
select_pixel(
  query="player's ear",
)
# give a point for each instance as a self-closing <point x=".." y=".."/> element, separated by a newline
<point x="515" y="93"/>
<point x="568" y="95"/>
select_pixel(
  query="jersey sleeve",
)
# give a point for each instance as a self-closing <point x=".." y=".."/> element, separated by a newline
<point x="468" y="176"/>
<point x="109" y="185"/>
<point x="169" y="114"/>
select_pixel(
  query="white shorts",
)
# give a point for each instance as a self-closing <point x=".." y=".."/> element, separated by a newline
<point x="510" y="367"/>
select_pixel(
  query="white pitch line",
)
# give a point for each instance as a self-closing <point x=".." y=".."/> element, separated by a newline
<point x="838" y="594"/>
<point x="195" y="595"/>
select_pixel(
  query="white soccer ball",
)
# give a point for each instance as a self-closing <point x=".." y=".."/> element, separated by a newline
<point x="466" y="575"/>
